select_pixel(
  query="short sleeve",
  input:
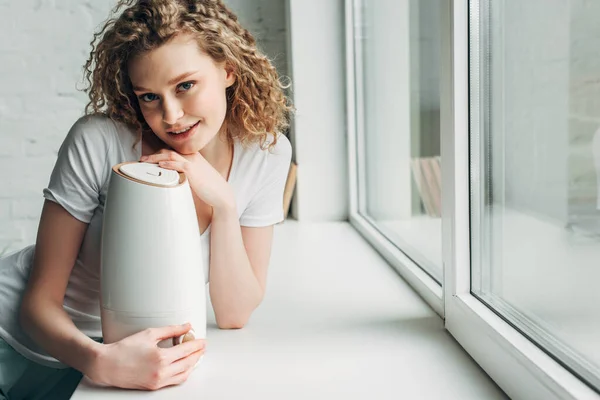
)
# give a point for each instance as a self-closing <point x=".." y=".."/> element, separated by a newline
<point x="80" y="169"/>
<point x="266" y="207"/>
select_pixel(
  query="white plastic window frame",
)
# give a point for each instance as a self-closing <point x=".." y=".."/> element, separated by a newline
<point x="517" y="365"/>
<point x="424" y="284"/>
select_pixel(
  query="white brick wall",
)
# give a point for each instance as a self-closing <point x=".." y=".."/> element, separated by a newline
<point x="43" y="46"/>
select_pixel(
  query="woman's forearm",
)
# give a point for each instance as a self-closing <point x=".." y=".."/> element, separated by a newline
<point x="52" y="328"/>
<point x="234" y="288"/>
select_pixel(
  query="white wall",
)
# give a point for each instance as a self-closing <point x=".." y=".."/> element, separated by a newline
<point x="43" y="46"/>
<point x="317" y="65"/>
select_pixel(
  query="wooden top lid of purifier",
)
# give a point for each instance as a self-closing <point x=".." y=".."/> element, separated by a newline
<point x="149" y="174"/>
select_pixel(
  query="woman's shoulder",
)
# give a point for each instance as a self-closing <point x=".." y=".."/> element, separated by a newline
<point x="264" y="162"/>
<point x="282" y="147"/>
<point x="97" y="127"/>
<point x="271" y="149"/>
<point x="99" y="132"/>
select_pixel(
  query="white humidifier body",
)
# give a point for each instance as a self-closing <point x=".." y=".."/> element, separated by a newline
<point x="152" y="272"/>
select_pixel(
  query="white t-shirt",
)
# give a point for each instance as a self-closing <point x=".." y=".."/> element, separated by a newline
<point x="79" y="183"/>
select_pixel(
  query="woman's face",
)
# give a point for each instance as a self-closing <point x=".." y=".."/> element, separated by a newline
<point x="181" y="93"/>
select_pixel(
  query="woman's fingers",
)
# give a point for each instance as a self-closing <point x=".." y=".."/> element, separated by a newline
<point x="178" y="166"/>
<point x="180" y="370"/>
<point x="181" y="351"/>
<point x="163" y="155"/>
<point x="168" y="159"/>
<point x="178" y="379"/>
<point x="167" y="332"/>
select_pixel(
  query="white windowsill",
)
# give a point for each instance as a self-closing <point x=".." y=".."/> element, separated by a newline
<point x="337" y="322"/>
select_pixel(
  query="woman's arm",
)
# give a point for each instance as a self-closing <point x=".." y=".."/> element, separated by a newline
<point x="42" y="315"/>
<point x="239" y="256"/>
<point x="238" y="267"/>
<point x="134" y="362"/>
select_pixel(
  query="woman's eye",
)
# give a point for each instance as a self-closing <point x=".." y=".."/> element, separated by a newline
<point x="148" y="97"/>
<point x="186" y="85"/>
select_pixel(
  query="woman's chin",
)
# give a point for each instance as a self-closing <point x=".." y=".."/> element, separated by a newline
<point x="187" y="148"/>
<point x="191" y="145"/>
<point x="186" y="151"/>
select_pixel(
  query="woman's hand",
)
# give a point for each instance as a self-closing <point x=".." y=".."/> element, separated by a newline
<point x="206" y="182"/>
<point x="136" y="362"/>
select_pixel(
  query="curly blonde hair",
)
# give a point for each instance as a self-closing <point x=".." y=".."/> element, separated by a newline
<point x="256" y="103"/>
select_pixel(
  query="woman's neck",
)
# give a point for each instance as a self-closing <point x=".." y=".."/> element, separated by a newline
<point x="218" y="151"/>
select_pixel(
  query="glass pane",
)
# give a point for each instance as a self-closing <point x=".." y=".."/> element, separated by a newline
<point x="535" y="151"/>
<point x="399" y="100"/>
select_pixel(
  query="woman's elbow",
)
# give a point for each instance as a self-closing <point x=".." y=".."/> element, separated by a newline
<point x="32" y="305"/>
<point x="232" y="323"/>
<point x="236" y="319"/>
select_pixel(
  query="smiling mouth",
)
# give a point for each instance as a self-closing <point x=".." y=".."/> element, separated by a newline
<point x="182" y="131"/>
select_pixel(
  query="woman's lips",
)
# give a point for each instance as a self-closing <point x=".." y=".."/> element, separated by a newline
<point x="186" y="134"/>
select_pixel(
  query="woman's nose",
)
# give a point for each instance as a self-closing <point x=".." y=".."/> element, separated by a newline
<point x="172" y="111"/>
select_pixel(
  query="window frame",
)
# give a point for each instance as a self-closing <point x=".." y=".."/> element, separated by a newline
<point x="516" y="364"/>
<point x="430" y="290"/>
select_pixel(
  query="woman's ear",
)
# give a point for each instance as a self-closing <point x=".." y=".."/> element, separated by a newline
<point x="230" y="76"/>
